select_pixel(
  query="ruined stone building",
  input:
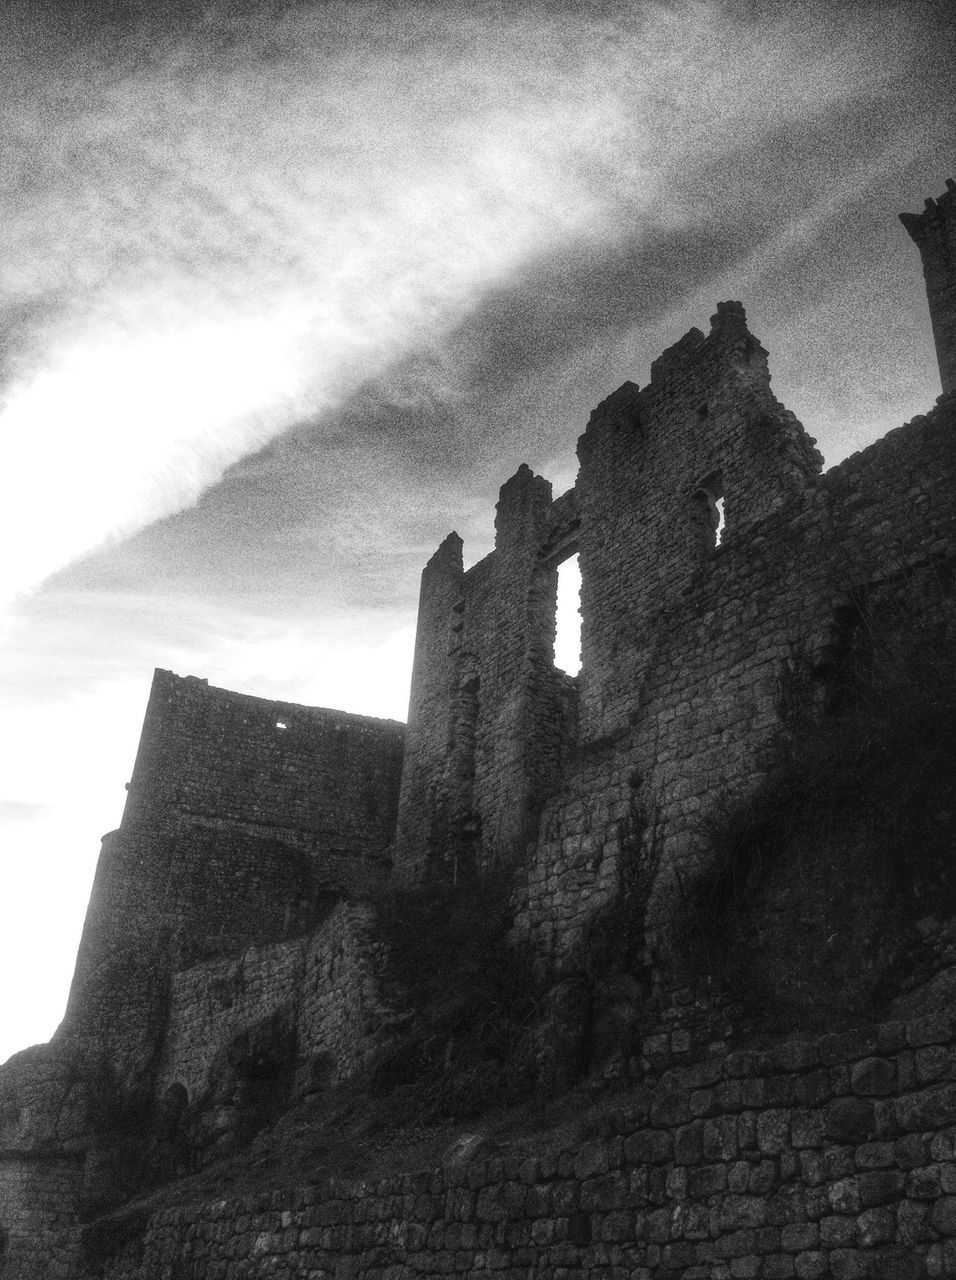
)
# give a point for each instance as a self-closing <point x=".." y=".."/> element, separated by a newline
<point x="231" y="908"/>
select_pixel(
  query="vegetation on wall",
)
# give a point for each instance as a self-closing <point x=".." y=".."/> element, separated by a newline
<point x="809" y="915"/>
<point x="472" y="997"/>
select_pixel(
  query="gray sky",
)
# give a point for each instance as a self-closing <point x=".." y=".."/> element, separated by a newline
<point x="290" y="289"/>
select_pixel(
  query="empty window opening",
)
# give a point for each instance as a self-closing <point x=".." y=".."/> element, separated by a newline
<point x="708" y="509"/>
<point x="281" y="724"/>
<point x="567" y="639"/>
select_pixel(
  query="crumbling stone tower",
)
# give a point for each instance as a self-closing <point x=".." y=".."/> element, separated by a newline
<point x="934" y="233"/>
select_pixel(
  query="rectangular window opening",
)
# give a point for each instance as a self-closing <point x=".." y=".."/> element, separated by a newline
<point x="567" y="638"/>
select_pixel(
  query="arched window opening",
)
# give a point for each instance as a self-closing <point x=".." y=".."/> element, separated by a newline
<point x="567" y="639"/>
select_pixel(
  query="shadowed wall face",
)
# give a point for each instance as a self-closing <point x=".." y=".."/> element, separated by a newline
<point x="934" y="233"/>
<point x="246" y="819"/>
<point x="602" y="784"/>
<point x="490" y="716"/>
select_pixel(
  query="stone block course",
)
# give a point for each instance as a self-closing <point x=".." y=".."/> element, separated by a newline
<point x="855" y="1207"/>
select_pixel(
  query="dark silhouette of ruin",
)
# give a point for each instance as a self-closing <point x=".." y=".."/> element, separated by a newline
<point x="230" y="924"/>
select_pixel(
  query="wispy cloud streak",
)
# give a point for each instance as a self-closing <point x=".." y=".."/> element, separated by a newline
<point x="222" y="230"/>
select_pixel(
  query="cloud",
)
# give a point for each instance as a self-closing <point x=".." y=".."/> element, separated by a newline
<point x="226" y="226"/>
<point x="16" y="811"/>
<point x="291" y="288"/>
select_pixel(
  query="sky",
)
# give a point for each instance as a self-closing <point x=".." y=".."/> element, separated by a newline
<point x="289" y="289"/>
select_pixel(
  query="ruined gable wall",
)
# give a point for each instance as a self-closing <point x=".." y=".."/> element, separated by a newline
<point x="429" y="708"/>
<point x="709" y="689"/>
<point x="493" y="742"/>
<point x="45" y="1115"/>
<point x="489" y="714"/>
<point x="236" y="833"/>
<point x="651" y="460"/>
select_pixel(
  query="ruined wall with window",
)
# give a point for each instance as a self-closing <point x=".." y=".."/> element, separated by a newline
<point x="694" y="645"/>
<point x="491" y="718"/>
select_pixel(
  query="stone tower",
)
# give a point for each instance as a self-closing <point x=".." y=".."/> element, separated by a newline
<point x="934" y="232"/>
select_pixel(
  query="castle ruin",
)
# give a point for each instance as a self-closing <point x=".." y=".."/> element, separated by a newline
<point x="231" y="918"/>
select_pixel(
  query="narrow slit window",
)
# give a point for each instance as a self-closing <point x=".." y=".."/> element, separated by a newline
<point x="708" y="510"/>
<point x="567" y="639"/>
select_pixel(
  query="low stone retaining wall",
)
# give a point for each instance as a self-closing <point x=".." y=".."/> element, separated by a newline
<point x="833" y="1157"/>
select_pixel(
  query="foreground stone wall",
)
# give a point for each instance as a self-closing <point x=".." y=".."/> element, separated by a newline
<point x="828" y="1157"/>
<point x="39" y="1227"/>
<point x="213" y="753"/>
<point x="212" y="1003"/>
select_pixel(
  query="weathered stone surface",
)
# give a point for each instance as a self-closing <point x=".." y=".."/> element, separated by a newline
<point x="225" y="959"/>
<point x="850" y="1120"/>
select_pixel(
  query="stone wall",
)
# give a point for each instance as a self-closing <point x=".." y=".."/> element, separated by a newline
<point x="344" y="1017"/>
<point x="828" y="1157"/>
<point x="39" y="1227"/>
<point x="326" y="983"/>
<point x="693" y="651"/>
<point x="489" y="715"/>
<point x="211" y="1003"/>
<point x="246" y="818"/>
